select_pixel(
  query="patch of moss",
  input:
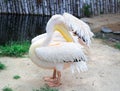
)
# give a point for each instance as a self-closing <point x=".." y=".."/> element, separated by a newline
<point x="16" y="77"/>
<point x="46" y="88"/>
<point x="2" y="66"/>
<point x="117" y="45"/>
<point x="7" y="89"/>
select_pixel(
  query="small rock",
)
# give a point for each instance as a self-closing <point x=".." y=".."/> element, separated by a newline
<point x="116" y="32"/>
<point x="114" y="40"/>
<point x="106" y="30"/>
<point x="81" y="77"/>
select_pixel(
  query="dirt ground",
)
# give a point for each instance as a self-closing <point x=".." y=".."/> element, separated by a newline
<point x="103" y="73"/>
<point x="111" y="21"/>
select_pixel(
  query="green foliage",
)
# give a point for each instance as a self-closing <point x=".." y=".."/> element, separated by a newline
<point x="101" y="12"/>
<point x="117" y="45"/>
<point x="14" y="49"/>
<point x="2" y="66"/>
<point x="6" y="1"/>
<point x="7" y="89"/>
<point x="16" y="77"/>
<point x="46" y="88"/>
<point x="86" y="10"/>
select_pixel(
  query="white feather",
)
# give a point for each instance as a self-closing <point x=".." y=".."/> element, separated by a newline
<point x="72" y="68"/>
<point x="80" y="66"/>
<point x="60" y="53"/>
<point x="78" y="26"/>
<point x="38" y="37"/>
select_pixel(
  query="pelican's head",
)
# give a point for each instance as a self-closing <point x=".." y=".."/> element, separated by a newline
<point x="57" y="23"/>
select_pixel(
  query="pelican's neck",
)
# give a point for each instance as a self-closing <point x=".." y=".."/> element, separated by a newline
<point x="47" y="40"/>
<point x="64" y="32"/>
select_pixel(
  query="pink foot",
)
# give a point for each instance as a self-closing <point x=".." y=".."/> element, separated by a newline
<point x="52" y="82"/>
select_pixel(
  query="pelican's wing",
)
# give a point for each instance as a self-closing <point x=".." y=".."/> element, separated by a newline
<point x="79" y="27"/>
<point x="60" y="53"/>
<point x="38" y="37"/>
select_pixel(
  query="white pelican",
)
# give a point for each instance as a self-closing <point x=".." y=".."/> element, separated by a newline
<point x="61" y="46"/>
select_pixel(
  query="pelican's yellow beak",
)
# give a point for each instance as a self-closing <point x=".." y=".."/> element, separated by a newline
<point x="64" y="31"/>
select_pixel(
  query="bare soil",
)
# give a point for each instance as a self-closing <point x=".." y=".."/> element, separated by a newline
<point x="103" y="73"/>
<point x="109" y="20"/>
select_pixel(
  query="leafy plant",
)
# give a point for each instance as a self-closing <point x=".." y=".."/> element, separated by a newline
<point x="101" y="12"/>
<point x="46" y="88"/>
<point x="15" y="49"/>
<point x="16" y="77"/>
<point x="2" y="66"/>
<point x="117" y="45"/>
<point x="86" y="10"/>
<point x="7" y="89"/>
<point x="6" y="1"/>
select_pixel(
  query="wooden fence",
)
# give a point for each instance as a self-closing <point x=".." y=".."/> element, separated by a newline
<point x="21" y="27"/>
<point x="50" y="7"/>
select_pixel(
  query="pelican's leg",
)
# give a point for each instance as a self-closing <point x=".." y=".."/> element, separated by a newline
<point x="53" y="81"/>
<point x="54" y="74"/>
<point x="56" y="81"/>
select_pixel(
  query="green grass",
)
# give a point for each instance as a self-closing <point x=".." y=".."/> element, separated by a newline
<point x="14" y="49"/>
<point x="117" y="45"/>
<point x="46" y="88"/>
<point x="2" y="66"/>
<point x="7" y="89"/>
<point x="16" y="77"/>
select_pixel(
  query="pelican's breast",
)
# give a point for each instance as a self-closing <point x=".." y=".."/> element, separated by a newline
<point x="56" y="41"/>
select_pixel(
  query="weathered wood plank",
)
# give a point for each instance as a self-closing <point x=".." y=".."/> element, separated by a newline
<point x="50" y="7"/>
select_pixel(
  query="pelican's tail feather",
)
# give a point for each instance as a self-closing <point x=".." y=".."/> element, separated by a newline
<point x="79" y="67"/>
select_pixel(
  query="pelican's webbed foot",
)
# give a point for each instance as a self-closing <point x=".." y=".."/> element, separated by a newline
<point x="53" y="81"/>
